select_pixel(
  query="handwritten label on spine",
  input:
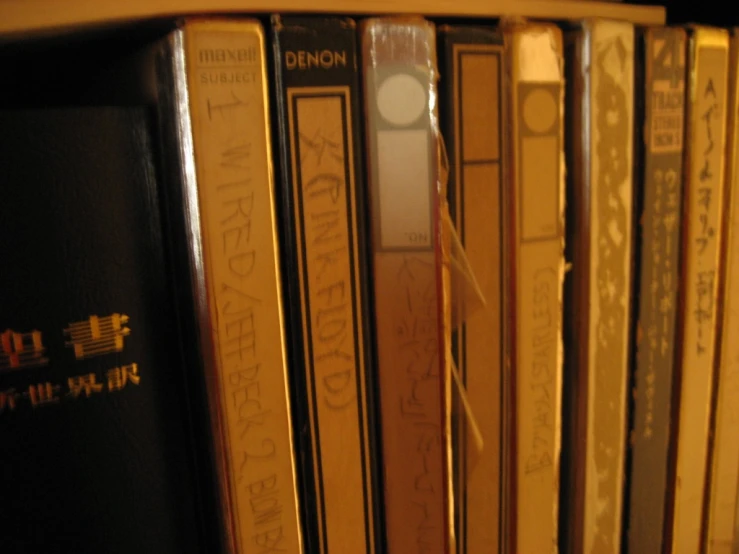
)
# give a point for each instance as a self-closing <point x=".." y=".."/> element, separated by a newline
<point x="611" y="108"/>
<point x="410" y="395"/>
<point x="230" y="137"/>
<point x="407" y="306"/>
<point x="656" y="286"/>
<point x="538" y="306"/>
<point x="325" y="214"/>
<point x="703" y="195"/>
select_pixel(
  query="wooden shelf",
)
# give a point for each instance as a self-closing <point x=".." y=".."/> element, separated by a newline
<point x="33" y="16"/>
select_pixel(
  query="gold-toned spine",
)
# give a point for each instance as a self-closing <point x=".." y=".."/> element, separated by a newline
<point x="704" y="185"/>
<point x="535" y="236"/>
<point x="607" y="146"/>
<point x="325" y="205"/>
<point x="722" y="507"/>
<point x="225" y="64"/>
<point x="477" y="72"/>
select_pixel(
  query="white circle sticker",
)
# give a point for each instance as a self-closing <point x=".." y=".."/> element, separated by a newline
<point x="401" y="99"/>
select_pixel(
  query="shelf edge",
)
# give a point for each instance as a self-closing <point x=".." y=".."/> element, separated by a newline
<point x="18" y="18"/>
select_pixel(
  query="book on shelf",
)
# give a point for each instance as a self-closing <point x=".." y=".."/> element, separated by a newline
<point x="600" y="74"/>
<point x="472" y="99"/>
<point x="720" y="518"/>
<point x="217" y="155"/>
<point x="324" y="230"/>
<point x="98" y="448"/>
<point x="660" y="103"/>
<point x="406" y="203"/>
<point x="707" y="86"/>
<point x="534" y="266"/>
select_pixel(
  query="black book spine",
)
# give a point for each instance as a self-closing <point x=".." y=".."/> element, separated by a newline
<point x="659" y="205"/>
<point x="321" y="195"/>
<point x="96" y="453"/>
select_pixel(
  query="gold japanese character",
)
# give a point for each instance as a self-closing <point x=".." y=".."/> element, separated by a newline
<point x="97" y="335"/>
<point x="21" y="350"/>
<point x="648" y="429"/>
<point x="8" y="400"/>
<point x="664" y="346"/>
<point x="43" y="393"/>
<point x="83" y="384"/>
<point x="667" y="281"/>
<point x="669" y="221"/>
<point x="118" y="377"/>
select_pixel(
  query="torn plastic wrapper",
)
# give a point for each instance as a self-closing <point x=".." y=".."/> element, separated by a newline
<point x="465" y="297"/>
<point x="466" y="294"/>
